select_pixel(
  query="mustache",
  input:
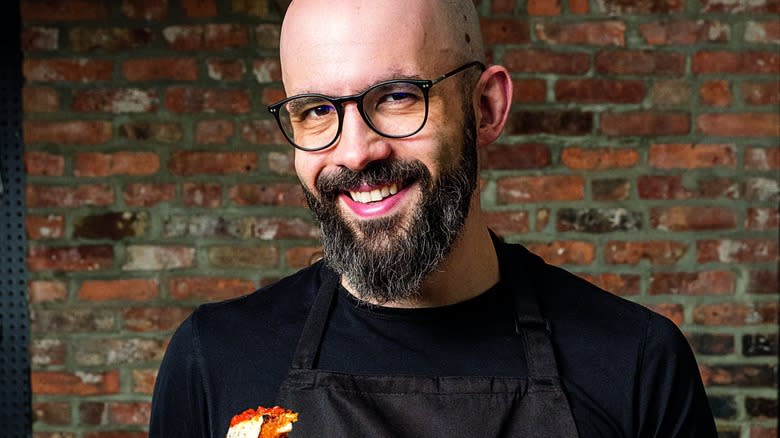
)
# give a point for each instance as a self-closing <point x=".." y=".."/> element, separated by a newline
<point x="376" y="173"/>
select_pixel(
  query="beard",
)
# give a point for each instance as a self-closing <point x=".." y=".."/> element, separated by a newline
<point x="387" y="259"/>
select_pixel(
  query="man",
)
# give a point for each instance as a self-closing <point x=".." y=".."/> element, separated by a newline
<point x="419" y="323"/>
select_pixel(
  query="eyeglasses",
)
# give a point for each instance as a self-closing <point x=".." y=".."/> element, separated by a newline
<point x="396" y="109"/>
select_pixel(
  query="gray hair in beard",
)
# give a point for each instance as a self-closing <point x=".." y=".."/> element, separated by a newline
<point x="390" y="262"/>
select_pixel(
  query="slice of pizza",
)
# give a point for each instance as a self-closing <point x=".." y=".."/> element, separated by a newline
<point x="262" y="422"/>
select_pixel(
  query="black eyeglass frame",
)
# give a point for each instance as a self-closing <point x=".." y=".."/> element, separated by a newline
<point x="338" y="103"/>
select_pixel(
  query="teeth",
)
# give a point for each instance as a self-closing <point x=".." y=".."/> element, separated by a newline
<point x="374" y="195"/>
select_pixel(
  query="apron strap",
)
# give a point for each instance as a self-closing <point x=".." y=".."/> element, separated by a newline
<point x="314" y="327"/>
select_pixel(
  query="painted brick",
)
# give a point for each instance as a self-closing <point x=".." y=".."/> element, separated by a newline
<point x="610" y="189"/>
<point x="715" y="93"/>
<point x="75" y="132"/>
<point x="546" y="61"/>
<point x="71" y="320"/>
<point x="207" y="195"/>
<point x="278" y="194"/>
<point x="63" y="10"/>
<point x="73" y="258"/>
<point x="67" y="70"/>
<point x="145" y="9"/>
<point x="762" y="189"/>
<point x="267" y="70"/>
<point x="155" y="258"/>
<point x="670" y="93"/>
<point x="516" y="156"/>
<point x="657" y="252"/>
<point x="645" y="123"/>
<point x="504" y="30"/>
<point x="685" y="32"/>
<point x="68" y="196"/>
<point x="43" y="164"/>
<point x="529" y="90"/>
<point x="162" y="132"/>
<point x="542" y="218"/>
<point x="114" y="39"/>
<point x="620" y="7"/>
<point x="739" y="125"/>
<point x="246" y="227"/>
<point x="96" y="164"/>
<point x="759" y="345"/>
<point x="42" y="39"/>
<point x="758" y="158"/>
<point x="735" y="314"/>
<point x="618" y="284"/>
<point x="640" y="62"/>
<point x="564" y="252"/>
<point x="546" y="8"/>
<point x="767" y="32"/>
<point x="523" y="189"/>
<point x="598" y="220"/>
<point x="739" y="6"/>
<point x="761" y="93"/>
<point x="116" y="100"/>
<point x="225" y="69"/>
<point x="550" y="122"/>
<point x="147" y="195"/>
<point x="44" y="291"/>
<point x="102" y="352"/>
<point x="599" y="90"/>
<point x="603" y="33"/>
<point x="212" y="37"/>
<point x="740" y="251"/>
<point x="199" y="8"/>
<point x="208" y="288"/>
<point x="154" y="319"/>
<point x="719" y="61"/>
<point x="506" y="223"/>
<point x="688" y="218"/>
<point x="44" y="227"/>
<point x="236" y="257"/>
<point x="690" y="156"/>
<point x="692" y="283"/>
<point x="131" y="289"/>
<point x="579" y="158"/>
<point x="762" y="282"/>
<point x="46" y="352"/>
<point x="160" y="69"/>
<point x="77" y="383"/>
<point x="211" y="163"/>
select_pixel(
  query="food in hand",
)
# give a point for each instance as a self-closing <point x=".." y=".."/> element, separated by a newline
<point x="262" y="422"/>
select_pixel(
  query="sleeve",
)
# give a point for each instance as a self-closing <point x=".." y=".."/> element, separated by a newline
<point x="671" y="401"/>
<point x="179" y="406"/>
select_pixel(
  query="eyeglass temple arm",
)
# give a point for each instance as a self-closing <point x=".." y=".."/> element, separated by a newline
<point x="458" y="70"/>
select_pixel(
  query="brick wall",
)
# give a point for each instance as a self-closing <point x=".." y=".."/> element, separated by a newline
<point x="642" y="153"/>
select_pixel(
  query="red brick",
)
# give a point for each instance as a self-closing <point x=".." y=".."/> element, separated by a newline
<point x="112" y="225"/>
<point x="579" y="6"/>
<point x="74" y="258"/>
<point x="684" y="32"/>
<point x="715" y="93"/>
<point x="711" y="188"/>
<point x="640" y="62"/>
<point x="114" y="39"/>
<point x="157" y="132"/>
<point x="262" y="132"/>
<point x="741" y="251"/>
<point x="43" y="291"/>
<point x="670" y="93"/>
<point x="272" y="194"/>
<point x="199" y="8"/>
<point x="610" y="189"/>
<point x="207" y="195"/>
<point x="662" y="187"/>
<point x="54" y="413"/>
<point x="506" y="223"/>
<point x="208" y="288"/>
<point x="771" y="6"/>
<point x="226" y="69"/>
<point x="761" y="93"/>
<point x="95" y="164"/>
<point x="211" y="163"/>
<point x="252" y="8"/>
<point x="146" y="195"/>
<point x="68" y="196"/>
<point x="235" y="257"/>
<point x="114" y="413"/>
<point x="767" y="32"/>
<point x="40" y="99"/>
<point x="673" y="312"/>
<point x="692" y="283"/>
<point x="63" y="10"/>
<point x="143" y="381"/>
<point x="157" y="69"/>
<point x="504" y="31"/>
<point x="213" y="37"/>
<point x="763" y="282"/>
<point x="739" y="125"/>
<point x="79" y="383"/>
<point x="302" y="256"/>
<point x="154" y="319"/>
<point x="134" y="289"/>
<point x="39" y="39"/>
<point x="502" y="6"/>
<point x="82" y="132"/>
<point x="545" y="61"/>
<point x="272" y="95"/>
<point x="112" y="434"/>
<point x="115" y="100"/>
<point x="145" y="9"/>
<point x="47" y="352"/>
<point x="522" y="189"/>
<point x="549" y="122"/>
<point x="267" y="70"/>
<point x="719" y="61"/>
<point x="546" y="8"/>
<point x="517" y="156"/>
<point x="44" y="227"/>
<point x="602" y="33"/>
<point x="619" y="284"/>
<point x="196" y="100"/>
<point x="766" y="219"/>
<point x="43" y="164"/>
<point x="645" y="123"/>
<point x="267" y="35"/>
<point x="529" y="90"/>
<point x="599" y="90"/>
<point x="214" y="131"/>
<point x="689" y="156"/>
<point x="579" y="158"/>
<point x="623" y="7"/>
<point x="282" y="163"/>
<point x="735" y="314"/>
<point x="758" y="158"/>
<point x="156" y="258"/>
<point x="739" y="375"/>
<point x="564" y="252"/>
<point x="686" y="218"/>
<point x="67" y="70"/>
<point x="657" y="252"/>
<point x="763" y="432"/>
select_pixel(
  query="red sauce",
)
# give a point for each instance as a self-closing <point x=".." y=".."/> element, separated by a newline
<point x="251" y="413"/>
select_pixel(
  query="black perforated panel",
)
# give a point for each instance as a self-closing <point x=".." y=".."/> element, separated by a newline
<point x="15" y="418"/>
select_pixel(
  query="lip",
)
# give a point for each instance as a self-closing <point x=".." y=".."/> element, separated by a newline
<point x="375" y="209"/>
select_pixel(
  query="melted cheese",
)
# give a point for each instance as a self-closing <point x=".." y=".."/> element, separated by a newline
<point x="247" y="429"/>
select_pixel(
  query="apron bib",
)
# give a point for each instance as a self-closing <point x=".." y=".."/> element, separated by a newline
<point x="342" y="405"/>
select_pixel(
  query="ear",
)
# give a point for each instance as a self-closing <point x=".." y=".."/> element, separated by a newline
<point x="494" y="98"/>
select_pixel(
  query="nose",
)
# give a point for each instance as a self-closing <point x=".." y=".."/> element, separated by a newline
<point x="358" y="145"/>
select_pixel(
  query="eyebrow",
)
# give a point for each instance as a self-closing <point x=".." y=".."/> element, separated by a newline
<point x="394" y="75"/>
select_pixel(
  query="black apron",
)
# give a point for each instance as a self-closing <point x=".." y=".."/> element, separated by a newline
<point x="342" y="405"/>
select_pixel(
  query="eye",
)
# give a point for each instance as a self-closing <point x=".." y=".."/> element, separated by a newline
<point x="399" y="96"/>
<point x="318" y="111"/>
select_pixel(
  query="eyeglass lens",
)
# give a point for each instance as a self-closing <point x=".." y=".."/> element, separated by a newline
<point x="395" y="109"/>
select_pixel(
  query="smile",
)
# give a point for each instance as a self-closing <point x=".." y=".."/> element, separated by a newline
<point x="374" y="195"/>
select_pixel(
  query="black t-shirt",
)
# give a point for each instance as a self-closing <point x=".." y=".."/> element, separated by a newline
<point x="626" y="371"/>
